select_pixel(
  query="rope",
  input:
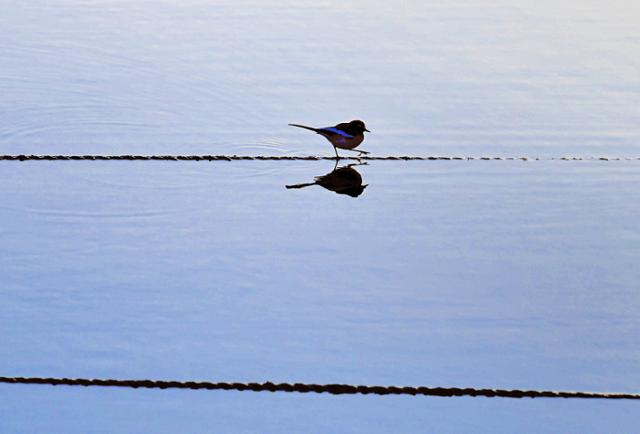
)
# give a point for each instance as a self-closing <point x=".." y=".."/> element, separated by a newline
<point x="290" y="158"/>
<point x="334" y="389"/>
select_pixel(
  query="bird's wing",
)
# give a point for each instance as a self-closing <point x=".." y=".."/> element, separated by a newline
<point x="333" y="130"/>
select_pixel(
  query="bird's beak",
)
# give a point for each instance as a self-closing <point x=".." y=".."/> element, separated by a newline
<point x="367" y="130"/>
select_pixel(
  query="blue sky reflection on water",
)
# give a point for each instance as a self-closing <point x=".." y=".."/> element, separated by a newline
<point x="467" y="273"/>
<point x="215" y="270"/>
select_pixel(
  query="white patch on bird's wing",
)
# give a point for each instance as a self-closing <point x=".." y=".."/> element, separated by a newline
<point x="337" y="131"/>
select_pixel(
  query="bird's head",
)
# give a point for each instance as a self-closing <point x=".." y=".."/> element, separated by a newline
<point x="358" y="125"/>
<point x="354" y="191"/>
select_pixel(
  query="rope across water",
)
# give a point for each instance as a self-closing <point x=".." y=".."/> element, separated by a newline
<point x="128" y="157"/>
<point x="334" y="389"/>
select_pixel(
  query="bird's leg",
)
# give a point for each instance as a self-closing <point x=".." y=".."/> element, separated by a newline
<point x="337" y="156"/>
<point x="359" y="151"/>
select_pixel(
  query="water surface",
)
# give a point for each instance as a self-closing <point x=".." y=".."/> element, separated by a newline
<point x="504" y="274"/>
<point x="462" y="273"/>
<point x="442" y="77"/>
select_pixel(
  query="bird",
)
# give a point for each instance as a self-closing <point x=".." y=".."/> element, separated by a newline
<point x="347" y="135"/>
<point x="342" y="180"/>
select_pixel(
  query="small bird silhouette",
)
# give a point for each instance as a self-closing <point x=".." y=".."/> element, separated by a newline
<point x="347" y="135"/>
<point x="342" y="180"/>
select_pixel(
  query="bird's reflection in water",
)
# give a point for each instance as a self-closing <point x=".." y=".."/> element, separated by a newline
<point x="342" y="180"/>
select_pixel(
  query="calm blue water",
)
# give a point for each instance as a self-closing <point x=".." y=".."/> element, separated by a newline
<point x="492" y="274"/>
<point x="437" y="77"/>
<point x="455" y="273"/>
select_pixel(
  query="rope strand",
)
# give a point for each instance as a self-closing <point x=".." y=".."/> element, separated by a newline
<point x="334" y="389"/>
<point x="21" y="157"/>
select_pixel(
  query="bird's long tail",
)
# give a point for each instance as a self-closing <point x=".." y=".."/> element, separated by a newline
<point x="305" y="127"/>
<point x="306" y="184"/>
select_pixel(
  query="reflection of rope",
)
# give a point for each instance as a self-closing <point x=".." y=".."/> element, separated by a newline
<point x="289" y="158"/>
<point x="335" y="389"/>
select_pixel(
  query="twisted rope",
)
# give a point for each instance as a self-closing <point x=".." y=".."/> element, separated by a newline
<point x="334" y="389"/>
<point x="290" y="158"/>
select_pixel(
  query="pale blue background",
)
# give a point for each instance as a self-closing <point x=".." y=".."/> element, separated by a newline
<point x="444" y="77"/>
<point x="455" y="273"/>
